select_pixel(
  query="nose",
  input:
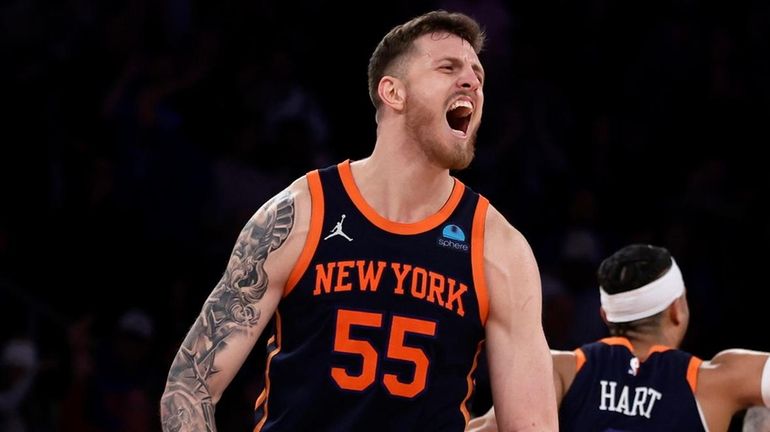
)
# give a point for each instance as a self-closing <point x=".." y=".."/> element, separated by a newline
<point x="468" y="79"/>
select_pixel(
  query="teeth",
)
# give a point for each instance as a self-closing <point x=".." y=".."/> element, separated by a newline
<point x="461" y="103"/>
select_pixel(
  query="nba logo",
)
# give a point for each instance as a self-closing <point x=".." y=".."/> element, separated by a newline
<point x="633" y="368"/>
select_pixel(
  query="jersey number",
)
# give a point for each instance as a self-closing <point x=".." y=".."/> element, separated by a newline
<point x="344" y="343"/>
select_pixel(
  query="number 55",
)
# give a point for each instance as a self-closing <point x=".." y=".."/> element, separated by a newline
<point x="343" y="343"/>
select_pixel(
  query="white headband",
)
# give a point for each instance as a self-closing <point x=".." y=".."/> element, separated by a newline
<point x="646" y="300"/>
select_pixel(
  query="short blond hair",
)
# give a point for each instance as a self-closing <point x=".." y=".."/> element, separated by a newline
<point x="399" y="41"/>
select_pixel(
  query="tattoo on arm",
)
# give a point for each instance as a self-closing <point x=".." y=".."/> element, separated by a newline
<point x="232" y="307"/>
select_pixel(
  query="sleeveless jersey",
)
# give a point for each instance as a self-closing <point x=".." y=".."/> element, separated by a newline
<point x="614" y="392"/>
<point x="381" y="323"/>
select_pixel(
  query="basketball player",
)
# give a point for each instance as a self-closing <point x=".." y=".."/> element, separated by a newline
<point x="637" y="379"/>
<point x="385" y="277"/>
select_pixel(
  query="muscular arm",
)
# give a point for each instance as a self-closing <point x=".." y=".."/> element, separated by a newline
<point x="235" y="313"/>
<point x="521" y="370"/>
<point x="728" y="383"/>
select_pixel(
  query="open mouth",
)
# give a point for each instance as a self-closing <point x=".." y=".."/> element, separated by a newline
<point x="459" y="116"/>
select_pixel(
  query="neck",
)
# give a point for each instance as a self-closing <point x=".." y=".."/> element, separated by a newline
<point x="643" y="342"/>
<point x="401" y="184"/>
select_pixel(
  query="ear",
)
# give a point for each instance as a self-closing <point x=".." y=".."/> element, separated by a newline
<point x="676" y="311"/>
<point x="392" y="92"/>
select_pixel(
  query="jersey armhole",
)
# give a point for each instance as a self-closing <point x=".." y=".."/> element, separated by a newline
<point x="477" y="258"/>
<point x="313" y="234"/>
<point x="580" y="359"/>
<point x="692" y="372"/>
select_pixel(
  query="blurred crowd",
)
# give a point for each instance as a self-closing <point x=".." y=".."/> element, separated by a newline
<point x="139" y="136"/>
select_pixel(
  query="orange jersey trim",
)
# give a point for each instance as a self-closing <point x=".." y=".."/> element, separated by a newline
<point x="313" y="234"/>
<point x="260" y="399"/>
<point x="422" y="226"/>
<point x="617" y="340"/>
<point x="477" y="258"/>
<point x="469" y="378"/>
<point x="580" y="359"/>
<point x="266" y="392"/>
<point x="692" y="372"/>
<point x="658" y="348"/>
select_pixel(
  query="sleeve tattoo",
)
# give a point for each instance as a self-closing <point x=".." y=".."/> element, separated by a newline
<point x="233" y="306"/>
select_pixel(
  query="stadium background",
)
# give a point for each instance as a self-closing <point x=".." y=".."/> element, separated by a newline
<point x="139" y="136"/>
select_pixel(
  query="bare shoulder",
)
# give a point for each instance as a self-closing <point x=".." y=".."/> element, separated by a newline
<point x="300" y="187"/>
<point x="503" y="240"/>
<point x="732" y="377"/>
<point x="565" y="358"/>
<point x="284" y="213"/>
<point x="564" y="371"/>
<point x="513" y="278"/>
<point x="564" y="366"/>
<point x="284" y="221"/>
<point x="734" y="364"/>
<point x="739" y="356"/>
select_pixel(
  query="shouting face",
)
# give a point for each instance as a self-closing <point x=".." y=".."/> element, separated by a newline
<point x="444" y="98"/>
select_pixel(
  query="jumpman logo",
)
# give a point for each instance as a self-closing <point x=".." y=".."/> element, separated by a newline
<point x="337" y="230"/>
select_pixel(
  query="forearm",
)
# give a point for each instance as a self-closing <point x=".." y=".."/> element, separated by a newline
<point x="208" y="359"/>
<point x="187" y="403"/>
<point x="185" y="409"/>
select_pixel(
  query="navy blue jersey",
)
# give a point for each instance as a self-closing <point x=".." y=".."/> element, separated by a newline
<point x="381" y="323"/>
<point x="614" y="392"/>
